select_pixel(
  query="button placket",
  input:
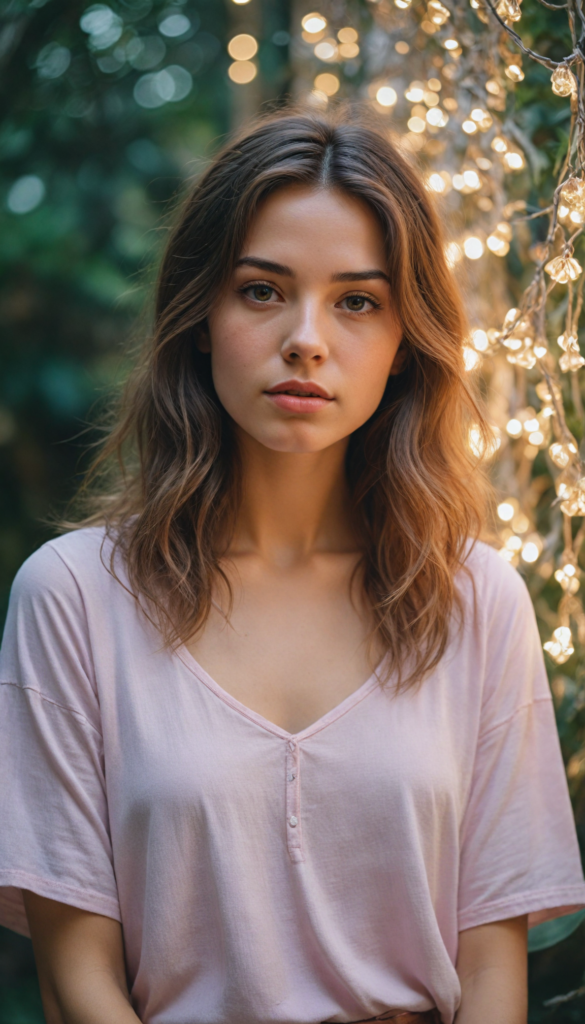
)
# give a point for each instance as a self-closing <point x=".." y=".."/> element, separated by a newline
<point x="293" y="802"/>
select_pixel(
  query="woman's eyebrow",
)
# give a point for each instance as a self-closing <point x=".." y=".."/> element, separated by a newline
<point x="361" y="275"/>
<point x="268" y="265"/>
<point x="279" y="268"/>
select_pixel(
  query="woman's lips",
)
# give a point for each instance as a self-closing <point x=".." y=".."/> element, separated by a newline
<point x="289" y="396"/>
<point x="297" y="402"/>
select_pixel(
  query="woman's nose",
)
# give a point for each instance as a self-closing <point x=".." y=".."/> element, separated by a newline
<point x="306" y="342"/>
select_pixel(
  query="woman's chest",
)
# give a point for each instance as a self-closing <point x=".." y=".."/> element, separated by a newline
<point x="295" y="645"/>
<point x="187" y="760"/>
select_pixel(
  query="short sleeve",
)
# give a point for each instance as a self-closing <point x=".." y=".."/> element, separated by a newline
<point x="519" y="850"/>
<point x="54" y="832"/>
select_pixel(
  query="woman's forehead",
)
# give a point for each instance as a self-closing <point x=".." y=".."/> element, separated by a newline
<point x="309" y="224"/>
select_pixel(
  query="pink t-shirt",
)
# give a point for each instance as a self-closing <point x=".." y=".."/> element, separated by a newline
<point x="264" y="877"/>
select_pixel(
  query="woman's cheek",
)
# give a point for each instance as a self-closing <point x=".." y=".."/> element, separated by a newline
<point x="367" y="375"/>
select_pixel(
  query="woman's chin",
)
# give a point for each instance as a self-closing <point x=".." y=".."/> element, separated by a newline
<point x="297" y="438"/>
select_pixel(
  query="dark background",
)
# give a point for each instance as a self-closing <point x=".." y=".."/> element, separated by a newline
<point x="76" y="270"/>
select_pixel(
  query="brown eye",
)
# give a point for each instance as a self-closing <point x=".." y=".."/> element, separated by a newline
<point x="261" y="292"/>
<point x="356" y="303"/>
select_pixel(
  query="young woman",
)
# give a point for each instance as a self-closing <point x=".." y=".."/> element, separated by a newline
<point x="277" y="741"/>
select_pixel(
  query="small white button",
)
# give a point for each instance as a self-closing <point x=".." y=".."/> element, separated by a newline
<point x="293" y="821"/>
<point x="291" y="777"/>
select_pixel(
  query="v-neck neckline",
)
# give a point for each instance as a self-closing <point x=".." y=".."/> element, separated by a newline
<point x="349" y="702"/>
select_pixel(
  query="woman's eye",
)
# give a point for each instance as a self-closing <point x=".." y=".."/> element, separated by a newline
<point x="260" y="292"/>
<point x="359" y="303"/>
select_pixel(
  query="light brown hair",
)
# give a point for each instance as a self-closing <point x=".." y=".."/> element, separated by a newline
<point x="419" y="493"/>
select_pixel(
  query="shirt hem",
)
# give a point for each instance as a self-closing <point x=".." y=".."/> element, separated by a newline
<point x="540" y="906"/>
<point x="12" y="912"/>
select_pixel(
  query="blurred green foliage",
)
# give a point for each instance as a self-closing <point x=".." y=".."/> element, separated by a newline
<point x="104" y="111"/>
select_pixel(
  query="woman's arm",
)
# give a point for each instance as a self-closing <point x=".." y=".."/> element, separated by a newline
<point x="492" y="969"/>
<point x="80" y="963"/>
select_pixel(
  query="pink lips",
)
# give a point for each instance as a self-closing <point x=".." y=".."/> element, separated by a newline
<point x="306" y="397"/>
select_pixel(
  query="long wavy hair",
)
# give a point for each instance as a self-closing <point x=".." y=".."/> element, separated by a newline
<point x="167" y="481"/>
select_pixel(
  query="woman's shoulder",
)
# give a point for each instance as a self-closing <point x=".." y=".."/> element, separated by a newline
<point x="77" y="560"/>
<point x="495" y="579"/>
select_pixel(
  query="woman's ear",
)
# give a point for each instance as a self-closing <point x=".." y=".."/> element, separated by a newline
<point x="202" y="337"/>
<point x="400" y="359"/>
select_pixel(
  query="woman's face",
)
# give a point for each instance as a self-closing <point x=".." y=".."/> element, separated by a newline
<point x="308" y="310"/>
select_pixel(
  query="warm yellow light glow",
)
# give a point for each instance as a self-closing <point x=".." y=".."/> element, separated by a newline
<point x="437" y="117"/>
<point x="451" y="44"/>
<point x="563" y="82"/>
<point x="504" y="230"/>
<point x="573" y="194"/>
<point x="506" y="511"/>
<point x="536" y="438"/>
<point x="242" y="71"/>
<point x="493" y="87"/>
<point x="318" y="98"/>
<point x="560" y="647"/>
<point x="327" y="50"/>
<point x="520" y="523"/>
<point x="514" y="427"/>
<point x="347" y="35"/>
<point x="471" y="358"/>
<point x="349" y="50"/>
<point x="386" y="96"/>
<point x="436" y="183"/>
<point x="453" y="253"/>
<point x="509" y="9"/>
<point x="242" y="47"/>
<point x="499" y="246"/>
<point x="314" y="23"/>
<point x="327" y="83"/>
<point x="469" y="127"/>
<point x="437" y="12"/>
<point x="473" y="247"/>
<point x="530" y="552"/>
<point x="472" y="179"/>
<point x="416" y="125"/>
<point x="563" y="269"/>
<point x="562" y="454"/>
<point x="514" y="72"/>
<point x="402" y="47"/>
<point x="415" y="92"/>
<point x="513" y="161"/>
<point x="480" y="340"/>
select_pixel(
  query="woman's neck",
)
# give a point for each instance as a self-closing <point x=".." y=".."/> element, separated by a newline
<point x="293" y="504"/>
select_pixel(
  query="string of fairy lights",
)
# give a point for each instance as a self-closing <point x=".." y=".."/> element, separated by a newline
<point x="441" y="72"/>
